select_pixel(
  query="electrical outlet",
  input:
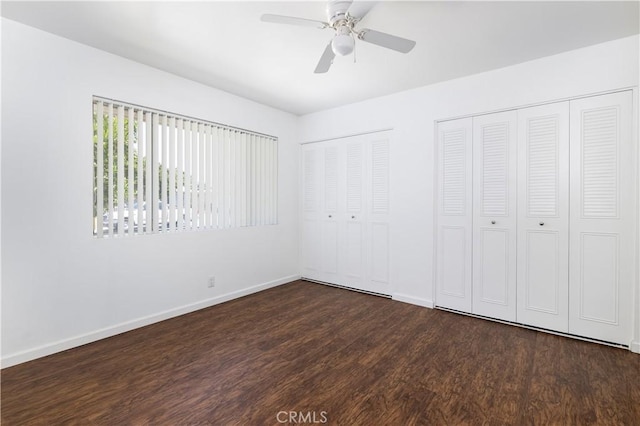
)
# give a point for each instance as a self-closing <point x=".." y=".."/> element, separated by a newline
<point x="212" y="282"/>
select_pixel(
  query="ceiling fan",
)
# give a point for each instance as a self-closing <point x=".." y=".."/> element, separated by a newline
<point x="343" y="16"/>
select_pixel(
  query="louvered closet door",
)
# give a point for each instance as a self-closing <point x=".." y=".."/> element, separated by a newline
<point x="378" y="231"/>
<point x="494" y="215"/>
<point x="330" y="223"/>
<point x="312" y="204"/>
<point x="602" y="249"/>
<point x="345" y="212"/>
<point x="353" y="215"/>
<point x="543" y="216"/>
<point x="365" y="215"/>
<point x="454" y="230"/>
<point x="322" y="194"/>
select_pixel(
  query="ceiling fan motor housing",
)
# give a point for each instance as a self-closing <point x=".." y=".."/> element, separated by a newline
<point x="337" y="10"/>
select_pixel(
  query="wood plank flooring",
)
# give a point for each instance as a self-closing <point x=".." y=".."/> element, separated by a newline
<point x="327" y="353"/>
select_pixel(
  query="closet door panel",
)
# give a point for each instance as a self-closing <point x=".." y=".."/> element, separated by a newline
<point x="493" y="274"/>
<point x="540" y="289"/>
<point x="494" y="215"/>
<point x="330" y="232"/>
<point x="455" y="213"/>
<point x="602" y="248"/>
<point x="453" y="271"/>
<point x="330" y="249"/>
<point x="352" y="217"/>
<point x="312" y="201"/>
<point x="353" y="254"/>
<point x="599" y="281"/>
<point x="378" y="249"/>
<point x="311" y="250"/>
<point x="543" y="215"/>
<point x="380" y="253"/>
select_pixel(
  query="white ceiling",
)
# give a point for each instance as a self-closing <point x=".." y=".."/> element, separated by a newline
<point x="225" y="45"/>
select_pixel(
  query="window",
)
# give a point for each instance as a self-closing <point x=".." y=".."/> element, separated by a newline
<point x="158" y="172"/>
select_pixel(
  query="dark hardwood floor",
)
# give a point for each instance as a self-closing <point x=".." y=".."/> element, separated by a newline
<point x="315" y="352"/>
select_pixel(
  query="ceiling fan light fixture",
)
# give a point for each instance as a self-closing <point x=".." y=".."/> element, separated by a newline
<point x="343" y="19"/>
<point x="342" y="44"/>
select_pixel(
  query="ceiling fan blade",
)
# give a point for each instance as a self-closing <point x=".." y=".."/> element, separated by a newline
<point x="389" y="41"/>
<point x="359" y="9"/>
<point x="291" y="20"/>
<point x="325" y="60"/>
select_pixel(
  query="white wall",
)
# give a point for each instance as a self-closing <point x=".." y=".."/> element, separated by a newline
<point x="60" y="286"/>
<point x="412" y="115"/>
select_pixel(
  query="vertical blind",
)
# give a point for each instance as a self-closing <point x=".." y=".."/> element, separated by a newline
<point x="158" y="172"/>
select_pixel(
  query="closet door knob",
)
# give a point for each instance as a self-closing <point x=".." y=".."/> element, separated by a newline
<point x="329" y="215"/>
<point x="493" y="222"/>
<point x="353" y="217"/>
<point x="541" y="223"/>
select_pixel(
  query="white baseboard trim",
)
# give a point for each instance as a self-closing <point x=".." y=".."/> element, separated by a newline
<point x="635" y="347"/>
<point x="83" y="339"/>
<point x="413" y="300"/>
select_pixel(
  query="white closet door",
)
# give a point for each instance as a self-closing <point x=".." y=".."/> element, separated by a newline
<point x="320" y="240"/>
<point x="353" y="215"/>
<point x="330" y="224"/>
<point x="454" y="221"/>
<point x="312" y="202"/>
<point x="494" y="215"/>
<point x="378" y="232"/>
<point x="602" y="250"/>
<point x="543" y="216"/>
<point x="345" y="212"/>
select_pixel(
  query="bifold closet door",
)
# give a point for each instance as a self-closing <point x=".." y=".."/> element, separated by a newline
<point x="543" y="216"/>
<point x="345" y="212"/>
<point x="494" y="215"/>
<point x="378" y="254"/>
<point x="329" y="224"/>
<point x="312" y="188"/>
<point x="455" y="215"/>
<point x="352" y="216"/>
<point x="603" y="204"/>
<point x="320" y="227"/>
<point x="365" y="217"/>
